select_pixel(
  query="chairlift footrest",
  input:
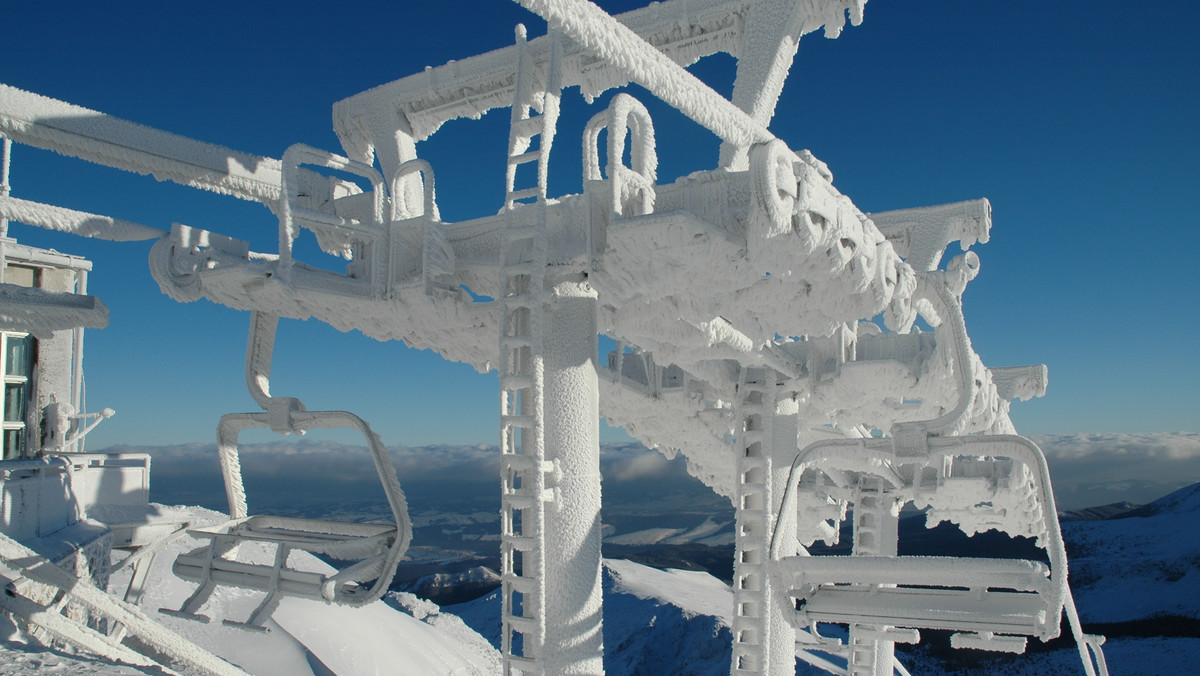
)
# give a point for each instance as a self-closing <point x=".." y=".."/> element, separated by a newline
<point x="194" y="617"/>
<point x="247" y="626"/>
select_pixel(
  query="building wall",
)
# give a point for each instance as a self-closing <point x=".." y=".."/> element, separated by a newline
<point x="53" y="376"/>
<point x="43" y="500"/>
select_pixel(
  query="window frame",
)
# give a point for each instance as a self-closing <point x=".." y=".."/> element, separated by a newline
<point x="25" y="379"/>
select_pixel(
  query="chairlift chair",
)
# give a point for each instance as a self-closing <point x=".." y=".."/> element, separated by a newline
<point x="371" y="551"/>
<point x="979" y="483"/>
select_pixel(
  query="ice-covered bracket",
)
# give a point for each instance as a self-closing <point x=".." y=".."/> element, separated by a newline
<point x="397" y="283"/>
<point x="370" y="551"/>
<point x="389" y="244"/>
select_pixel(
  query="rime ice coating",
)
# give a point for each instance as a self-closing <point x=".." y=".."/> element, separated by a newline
<point x="746" y="303"/>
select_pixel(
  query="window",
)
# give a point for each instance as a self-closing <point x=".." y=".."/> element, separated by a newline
<point x="23" y="275"/>
<point x="18" y="352"/>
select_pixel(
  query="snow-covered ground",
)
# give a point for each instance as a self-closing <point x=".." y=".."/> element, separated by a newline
<point x="655" y="621"/>
<point x="1136" y="578"/>
<point x="400" y="634"/>
<point x="1143" y="565"/>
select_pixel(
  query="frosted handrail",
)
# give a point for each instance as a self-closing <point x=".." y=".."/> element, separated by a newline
<point x="624" y="114"/>
<point x="299" y="154"/>
<point x="430" y="199"/>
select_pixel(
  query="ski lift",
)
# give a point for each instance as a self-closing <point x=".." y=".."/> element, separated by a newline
<point x="370" y="551"/>
<point x="980" y="483"/>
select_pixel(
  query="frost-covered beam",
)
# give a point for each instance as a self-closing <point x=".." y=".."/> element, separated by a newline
<point x="420" y="103"/>
<point x="75" y="131"/>
<point x="604" y="36"/>
<point x="920" y="235"/>
<point x="772" y="35"/>
<point x="75" y="222"/>
<point x="1020" y="382"/>
<point x="194" y="264"/>
<point x="42" y="312"/>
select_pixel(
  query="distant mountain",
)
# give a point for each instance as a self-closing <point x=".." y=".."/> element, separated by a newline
<point x="1142" y="564"/>
<point x="1097" y="513"/>
<point x="1183" y="501"/>
<point x="452" y="588"/>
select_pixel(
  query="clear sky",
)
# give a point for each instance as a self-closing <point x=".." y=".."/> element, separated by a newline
<point x="1078" y="120"/>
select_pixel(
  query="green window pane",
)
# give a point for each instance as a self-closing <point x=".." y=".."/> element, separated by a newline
<point x="14" y="441"/>
<point x="14" y="402"/>
<point x="17" y="357"/>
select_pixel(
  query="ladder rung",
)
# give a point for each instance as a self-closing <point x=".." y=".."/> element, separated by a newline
<point x="524" y="194"/>
<point x="516" y="381"/>
<point x="525" y="500"/>
<point x="525" y="158"/>
<point x="514" y="342"/>
<point x="521" y="543"/>
<point x="522" y="421"/>
<point x="520" y="582"/>
<point x="522" y="624"/>
<point x="742" y="643"/>
<point x="518" y="501"/>
<point x="745" y="596"/>
<point x="527" y="128"/>
<point x="523" y="462"/>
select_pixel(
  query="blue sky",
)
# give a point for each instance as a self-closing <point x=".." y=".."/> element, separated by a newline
<point x="1077" y="119"/>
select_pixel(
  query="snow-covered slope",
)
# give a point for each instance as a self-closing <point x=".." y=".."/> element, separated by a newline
<point x="399" y="635"/>
<point x="1136" y="578"/>
<point x="655" y="621"/>
<point x="1141" y="565"/>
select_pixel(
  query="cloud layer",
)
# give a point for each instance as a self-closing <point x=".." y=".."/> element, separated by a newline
<point x="1087" y="469"/>
<point x="1096" y="469"/>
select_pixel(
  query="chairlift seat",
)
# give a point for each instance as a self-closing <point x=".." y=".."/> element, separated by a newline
<point x="371" y="550"/>
<point x="367" y="542"/>
<point x="980" y="595"/>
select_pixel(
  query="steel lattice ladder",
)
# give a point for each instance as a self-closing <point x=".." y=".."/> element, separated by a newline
<point x="523" y="463"/>
<point x="534" y="116"/>
<point x="872" y="647"/>
<point x="751" y="618"/>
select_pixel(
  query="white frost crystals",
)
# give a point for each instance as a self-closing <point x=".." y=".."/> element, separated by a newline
<point x="761" y="321"/>
<point x="369" y="552"/>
